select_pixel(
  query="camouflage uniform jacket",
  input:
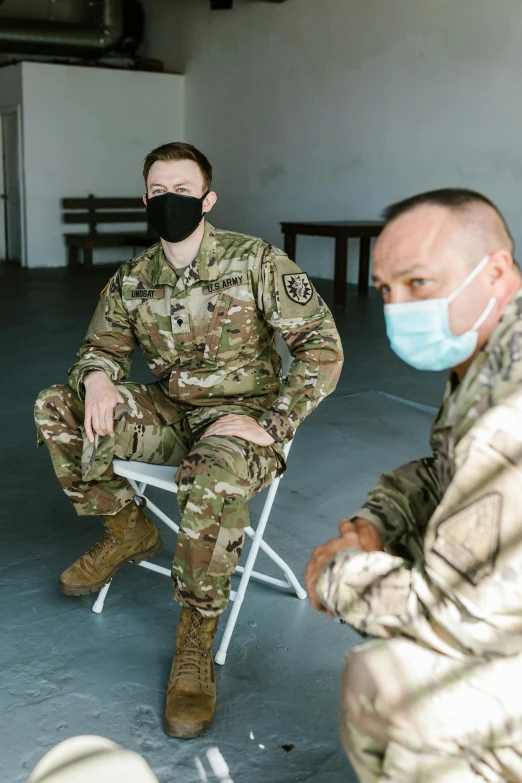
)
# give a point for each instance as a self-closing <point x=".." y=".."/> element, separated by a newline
<point x="209" y="335"/>
<point x="458" y="513"/>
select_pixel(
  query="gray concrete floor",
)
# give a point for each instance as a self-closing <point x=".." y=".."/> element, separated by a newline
<point x="67" y="671"/>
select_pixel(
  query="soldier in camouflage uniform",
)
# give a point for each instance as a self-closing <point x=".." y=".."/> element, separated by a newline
<point x="205" y="306"/>
<point x="433" y="561"/>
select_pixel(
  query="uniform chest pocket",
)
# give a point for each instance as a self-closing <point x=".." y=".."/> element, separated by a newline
<point x="229" y="329"/>
<point x="151" y="321"/>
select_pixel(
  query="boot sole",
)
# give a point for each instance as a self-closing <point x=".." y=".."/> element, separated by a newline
<point x="182" y="731"/>
<point x="93" y="587"/>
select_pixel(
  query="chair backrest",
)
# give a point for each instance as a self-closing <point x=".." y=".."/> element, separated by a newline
<point x="92" y="210"/>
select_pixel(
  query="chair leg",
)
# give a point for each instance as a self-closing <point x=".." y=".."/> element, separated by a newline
<point x="249" y="565"/>
<point x="97" y="607"/>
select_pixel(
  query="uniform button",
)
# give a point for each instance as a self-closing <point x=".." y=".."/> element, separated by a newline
<point x="180" y="321"/>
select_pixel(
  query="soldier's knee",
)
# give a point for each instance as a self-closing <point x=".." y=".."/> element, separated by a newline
<point x="212" y="461"/>
<point x="353" y="686"/>
<point x="361" y="704"/>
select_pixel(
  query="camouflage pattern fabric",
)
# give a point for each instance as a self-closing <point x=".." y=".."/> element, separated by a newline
<point x="209" y="335"/>
<point x="457" y="592"/>
<point x="216" y="477"/>
<point x="411" y="714"/>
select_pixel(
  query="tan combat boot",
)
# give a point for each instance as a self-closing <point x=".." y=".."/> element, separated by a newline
<point x="191" y="693"/>
<point x="130" y="536"/>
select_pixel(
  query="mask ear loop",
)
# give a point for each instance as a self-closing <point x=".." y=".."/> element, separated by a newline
<point x="484" y="315"/>
<point x="463" y="285"/>
<point x="468" y="279"/>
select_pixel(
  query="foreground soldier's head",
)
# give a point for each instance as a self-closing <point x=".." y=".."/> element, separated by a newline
<point x="444" y="266"/>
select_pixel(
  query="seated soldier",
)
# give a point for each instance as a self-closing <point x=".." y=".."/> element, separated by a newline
<point x="205" y="306"/>
<point x="439" y="698"/>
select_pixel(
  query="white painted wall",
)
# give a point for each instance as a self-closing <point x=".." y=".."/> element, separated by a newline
<point x="87" y="130"/>
<point x="330" y="109"/>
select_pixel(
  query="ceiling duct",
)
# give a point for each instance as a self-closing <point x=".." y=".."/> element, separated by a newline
<point x="26" y="36"/>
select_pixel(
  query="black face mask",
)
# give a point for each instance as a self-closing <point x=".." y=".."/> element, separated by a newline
<point x="175" y="217"/>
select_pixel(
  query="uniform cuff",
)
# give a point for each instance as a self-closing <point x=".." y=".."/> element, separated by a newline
<point x="369" y="516"/>
<point x="277" y="426"/>
<point x="328" y="583"/>
<point x="77" y="374"/>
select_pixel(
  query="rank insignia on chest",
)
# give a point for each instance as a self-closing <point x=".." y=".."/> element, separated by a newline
<point x="298" y="288"/>
<point x="221" y="285"/>
<point x="144" y="293"/>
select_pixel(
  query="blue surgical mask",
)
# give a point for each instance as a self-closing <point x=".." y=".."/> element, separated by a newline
<point x="420" y="332"/>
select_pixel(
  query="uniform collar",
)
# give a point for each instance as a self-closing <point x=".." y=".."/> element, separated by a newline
<point x="511" y="315"/>
<point x="486" y="357"/>
<point x="204" y="267"/>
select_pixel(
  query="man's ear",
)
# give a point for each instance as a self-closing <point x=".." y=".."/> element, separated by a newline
<point x="144" y="197"/>
<point x="209" y="202"/>
<point x="501" y="263"/>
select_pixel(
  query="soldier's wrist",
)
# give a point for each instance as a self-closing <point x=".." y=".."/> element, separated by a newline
<point x="92" y="375"/>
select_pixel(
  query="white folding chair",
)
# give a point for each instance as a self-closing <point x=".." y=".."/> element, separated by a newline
<point x="141" y="475"/>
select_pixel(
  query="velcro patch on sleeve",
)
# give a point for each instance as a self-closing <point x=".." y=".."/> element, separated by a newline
<point x="297" y="298"/>
<point x="99" y="323"/>
<point x="469" y="540"/>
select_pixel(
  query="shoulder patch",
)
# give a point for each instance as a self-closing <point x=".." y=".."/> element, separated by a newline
<point x="296" y="296"/>
<point x="298" y="287"/>
<point x="468" y="541"/>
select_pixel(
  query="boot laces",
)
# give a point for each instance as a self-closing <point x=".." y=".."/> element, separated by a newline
<point x="191" y="652"/>
<point x="103" y="546"/>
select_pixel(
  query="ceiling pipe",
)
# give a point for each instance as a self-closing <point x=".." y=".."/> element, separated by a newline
<point x="25" y="36"/>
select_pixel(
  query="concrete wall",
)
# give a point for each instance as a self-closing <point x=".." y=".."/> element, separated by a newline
<point x="87" y="130"/>
<point x="331" y="109"/>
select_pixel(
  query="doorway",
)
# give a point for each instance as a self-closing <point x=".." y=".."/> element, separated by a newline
<point x="11" y="191"/>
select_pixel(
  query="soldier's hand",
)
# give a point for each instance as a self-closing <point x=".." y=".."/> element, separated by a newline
<point x="368" y="535"/>
<point x="321" y="556"/>
<point x="240" y="427"/>
<point x="101" y="397"/>
<point x="357" y="533"/>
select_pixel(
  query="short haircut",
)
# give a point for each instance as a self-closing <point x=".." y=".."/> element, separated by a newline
<point x="454" y="199"/>
<point x="178" y="150"/>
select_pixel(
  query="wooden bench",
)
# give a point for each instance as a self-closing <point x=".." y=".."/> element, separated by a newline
<point x="95" y="211"/>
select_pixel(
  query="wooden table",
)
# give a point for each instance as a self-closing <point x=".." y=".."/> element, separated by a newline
<point x="341" y="231"/>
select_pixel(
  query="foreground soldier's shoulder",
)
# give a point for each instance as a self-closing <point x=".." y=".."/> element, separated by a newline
<point x="500" y="428"/>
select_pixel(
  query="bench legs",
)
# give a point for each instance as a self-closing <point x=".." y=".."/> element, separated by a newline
<point x="72" y="256"/>
<point x="87" y="257"/>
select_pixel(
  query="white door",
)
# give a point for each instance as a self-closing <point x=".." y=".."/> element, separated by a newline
<point x="11" y="195"/>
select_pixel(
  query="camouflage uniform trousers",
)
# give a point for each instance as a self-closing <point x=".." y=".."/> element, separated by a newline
<point x="216" y="476"/>
<point x="412" y="715"/>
